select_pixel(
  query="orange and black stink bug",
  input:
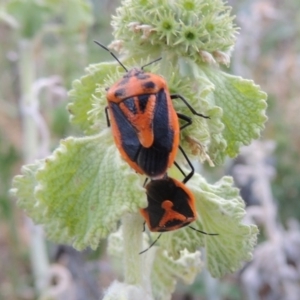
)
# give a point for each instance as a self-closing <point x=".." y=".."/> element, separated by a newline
<point x="171" y="205"/>
<point x="144" y="122"/>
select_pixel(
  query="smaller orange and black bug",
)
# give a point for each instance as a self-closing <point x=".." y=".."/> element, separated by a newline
<point x="144" y="122"/>
<point x="171" y="205"/>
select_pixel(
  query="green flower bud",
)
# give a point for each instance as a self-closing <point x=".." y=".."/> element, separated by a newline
<point x="184" y="28"/>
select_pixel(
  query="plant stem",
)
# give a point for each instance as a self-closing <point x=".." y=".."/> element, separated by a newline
<point x="28" y="103"/>
<point x="132" y="233"/>
<point x="29" y="108"/>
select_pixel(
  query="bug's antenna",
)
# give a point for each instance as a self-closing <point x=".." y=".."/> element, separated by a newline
<point x="203" y="231"/>
<point x="151" y="62"/>
<point x="112" y="54"/>
<point x="150" y="245"/>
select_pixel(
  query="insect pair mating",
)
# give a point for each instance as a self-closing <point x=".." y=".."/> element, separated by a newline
<point x="146" y="131"/>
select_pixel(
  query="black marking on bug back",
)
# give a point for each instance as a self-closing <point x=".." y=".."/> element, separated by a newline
<point x="148" y="85"/>
<point x="156" y="195"/>
<point x="164" y="135"/>
<point x="181" y="202"/>
<point x="120" y="93"/>
<point x="129" y="139"/>
<point x="154" y="160"/>
<point x="130" y="104"/>
<point x="143" y="100"/>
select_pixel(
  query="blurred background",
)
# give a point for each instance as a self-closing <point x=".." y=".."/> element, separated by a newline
<point x="45" y="45"/>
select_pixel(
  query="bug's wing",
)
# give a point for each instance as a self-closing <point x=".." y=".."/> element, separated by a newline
<point x="125" y="135"/>
<point x="155" y="159"/>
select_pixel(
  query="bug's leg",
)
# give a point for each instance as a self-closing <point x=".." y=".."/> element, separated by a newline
<point x="185" y="118"/>
<point x="145" y="182"/>
<point x="107" y="117"/>
<point x="179" y="168"/>
<point x="151" y="245"/>
<point x="177" y="96"/>
<point x="202" y="231"/>
<point x="190" y="175"/>
<point x="144" y="224"/>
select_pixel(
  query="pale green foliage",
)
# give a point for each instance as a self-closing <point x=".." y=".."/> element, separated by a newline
<point x="182" y="27"/>
<point x="221" y="211"/>
<point x="81" y="191"/>
<point x="163" y="269"/>
<point x="84" y="112"/>
<point x="122" y="291"/>
<point x="167" y="270"/>
<point x="31" y="16"/>
<point x="243" y="105"/>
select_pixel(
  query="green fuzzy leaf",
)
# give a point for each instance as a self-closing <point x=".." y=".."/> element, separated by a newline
<point x="220" y="210"/>
<point x="166" y="272"/>
<point x="184" y="27"/>
<point x="243" y="105"/>
<point x="196" y="137"/>
<point x="81" y="191"/>
<point x="164" y="269"/>
<point x="87" y="94"/>
<point x="23" y="189"/>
